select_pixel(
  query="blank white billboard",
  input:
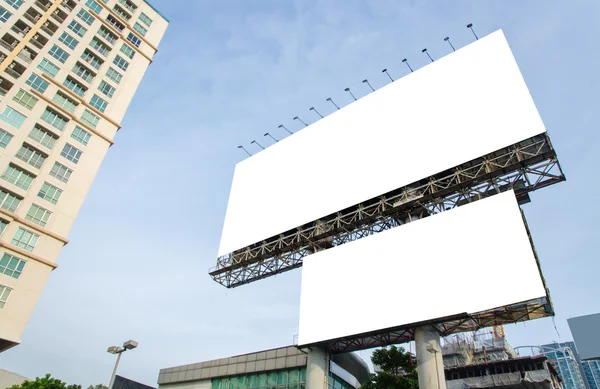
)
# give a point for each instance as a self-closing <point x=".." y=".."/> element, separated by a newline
<point x="466" y="260"/>
<point x="465" y="105"/>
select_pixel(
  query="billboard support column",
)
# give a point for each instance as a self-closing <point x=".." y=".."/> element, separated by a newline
<point x="430" y="366"/>
<point x="317" y="368"/>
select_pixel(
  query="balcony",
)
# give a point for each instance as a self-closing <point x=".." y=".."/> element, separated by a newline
<point x="20" y="28"/>
<point x="121" y="12"/>
<point x="38" y="41"/>
<point x="27" y="55"/>
<point x="9" y="42"/>
<point x="32" y="15"/>
<point x="43" y="5"/>
<point x="15" y="70"/>
<point x="49" y="28"/>
<point x="68" y="5"/>
<point x="59" y="15"/>
<point x="5" y="86"/>
<point x="128" y="5"/>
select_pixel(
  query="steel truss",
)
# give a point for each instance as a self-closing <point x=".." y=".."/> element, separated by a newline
<point x="524" y="167"/>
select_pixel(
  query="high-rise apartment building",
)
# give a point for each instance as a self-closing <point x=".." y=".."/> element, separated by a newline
<point x="565" y="358"/>
<point x="68" y="71"/>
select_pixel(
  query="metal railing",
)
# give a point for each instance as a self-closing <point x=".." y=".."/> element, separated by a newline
<point x="42" y="6"/>
<point x="47" y="30"/>
<point x="12" y="72"/>
<point x="7" y="45"/>
<point x="19" y="31"/>
<point x="31" y="18"/>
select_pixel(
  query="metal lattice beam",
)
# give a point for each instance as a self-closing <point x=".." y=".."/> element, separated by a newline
<point x="523" y="167"/>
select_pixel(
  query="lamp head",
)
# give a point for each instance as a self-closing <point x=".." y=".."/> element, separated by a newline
<point x="130" y="345"/>
<point x="311" y="109"/>
<point x="365" y="80"/>
<point x="266" y="134"/>
<point x="469" y="25"/>
<point x="280" y="126"/>
<point x="253" y="142"/>
<point x="328" y="99"/>
<point x="347" y="89"/>
<point x="295" y="118"/>
<point x="447" y="38"/>
<point x="240" y="147"/>
<point x="424" y="50"/>
<point x="404" y="60"/>
<point x="114" y="349"/>
<point x="384" y="70"/>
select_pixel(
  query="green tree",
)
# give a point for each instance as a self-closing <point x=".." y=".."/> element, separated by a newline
<point x="99" y="386"/>
<point x="398" y="370"/>
<point x="45" y="383"/>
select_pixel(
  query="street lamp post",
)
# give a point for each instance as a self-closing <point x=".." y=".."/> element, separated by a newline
<point x="129" y="345"/>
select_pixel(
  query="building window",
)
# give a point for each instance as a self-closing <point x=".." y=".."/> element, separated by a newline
<point x="114" y="75"/>
<point x="3" y="225"/>
<point x="128" y="51"/>
<point x="12" y="117"/>
<point x="61" y="172"/>
<point x="58" y="53"/>
<point x="84" y="73"/>
<point x="4" y="15"/>
<point x="94" y="6"/>
<point x="49" y="193"/>
<point x="71" y="153"/>
<point x="121" y="12"/>
<point x="86" y="17"/>
<point x="121" y="63"/>
<point x="38" y="215"/>
<point x="98" y="103"/>
<point x="4" y="295"/>
<point x="100" y="47"/>
<point x="140" y="29"/>
<point x="5" y="138"/>
<point x="106" y="88"/>
<point x="11" y="266"/>
<point x="38" y="83"/>
<point x="48" y="67"/>
<point x="106" y="34"/>
<point x="31" y="156"/>
<point x="43" y="136"/>
<point x="54" y="119"/>
<point x="81" y="135"/>
<point x="90" y="118"/>
<point x="9" y="201"/>
<point x="90" y="58"/>
<point x="26" y="99"/>
<point x="68" y="40"/>
<point x="134" y="40"/>
<point x="25" y="239"/>
<point x="65" y="102"/>
<point x="77" y="28"/>
<point x="115" y="23"/>
<point x="17" y="176"/>
<point x="145" y="19"/>
<point x="74" y="86"/>
<point x="14" y="3"/>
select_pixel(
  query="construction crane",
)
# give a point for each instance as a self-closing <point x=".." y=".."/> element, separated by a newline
<point x="498" y="331"/>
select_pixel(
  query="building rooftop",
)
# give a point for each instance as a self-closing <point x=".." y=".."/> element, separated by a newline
<point x="157" y="11"/>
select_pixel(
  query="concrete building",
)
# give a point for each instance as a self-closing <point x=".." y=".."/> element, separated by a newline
<point x="68" y="71"/>
<point x="519" y="373"/>
<point x="284" y="367"/>
<point x="8" y="379"/>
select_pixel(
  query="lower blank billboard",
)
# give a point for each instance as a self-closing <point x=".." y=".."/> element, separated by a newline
<point x="466" y="260"/>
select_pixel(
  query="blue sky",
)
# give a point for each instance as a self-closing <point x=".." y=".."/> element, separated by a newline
<point x="229" y="71"/>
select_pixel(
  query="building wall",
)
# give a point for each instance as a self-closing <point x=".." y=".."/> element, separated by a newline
<point x="591" y="372"/>
<point x="30" y="32"/>
<point x="8" y="379"/>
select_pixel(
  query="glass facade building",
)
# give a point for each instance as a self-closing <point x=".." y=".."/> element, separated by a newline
<point x="565" y="358"/>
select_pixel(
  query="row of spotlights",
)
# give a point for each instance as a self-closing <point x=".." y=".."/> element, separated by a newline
<point x="365" y="81"/>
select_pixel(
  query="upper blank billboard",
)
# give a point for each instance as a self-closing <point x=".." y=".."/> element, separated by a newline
<point x="470" y="259"/>
<point x="465" y="105"/>
<point x="586" y="334"/>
